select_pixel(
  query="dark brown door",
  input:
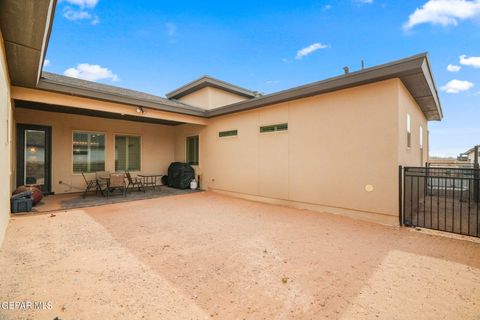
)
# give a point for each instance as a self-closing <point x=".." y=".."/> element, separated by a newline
<point x="34" y="156"/>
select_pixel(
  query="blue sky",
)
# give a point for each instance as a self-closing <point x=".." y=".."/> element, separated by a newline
<point x="157" y="46"/>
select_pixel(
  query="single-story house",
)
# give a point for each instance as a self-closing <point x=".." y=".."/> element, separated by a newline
<point x="469" y="155"/>
<point x="334" y="145"/>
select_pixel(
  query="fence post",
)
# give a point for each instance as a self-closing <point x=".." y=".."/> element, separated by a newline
<point x="400" y="195"/>
<point x="476" y="181"/>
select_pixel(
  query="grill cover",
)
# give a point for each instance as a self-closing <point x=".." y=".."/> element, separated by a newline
<point x="180" y="174"/>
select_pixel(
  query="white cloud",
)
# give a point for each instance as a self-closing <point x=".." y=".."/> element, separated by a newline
<point x="95" y="20"/>
<point x="91" y="72"/>
<point x="80" y="11"/>
<point x="310" y="49"/>
<point x="470" y="61"/>
<point x="444" y="12"/>
<point x="83" y="3"/>
<point x="456" y="86"/>
<point x="364" y="1"/>
<point x="171" y="29"/>
<point x="74" y="15"/>
<point x="453" y="68"/>
<point x="46" y="63"/>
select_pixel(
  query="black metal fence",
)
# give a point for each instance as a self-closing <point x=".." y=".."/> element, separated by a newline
<point x="445" y="199"/>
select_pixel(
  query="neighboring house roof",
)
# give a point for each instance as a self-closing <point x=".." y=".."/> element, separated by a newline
<point x="207" y="81"/>
<point x="414" y="72"/>
<point x="471" y="150"/>
<point x="26" y="27"/>
<point x="63" y="84"/>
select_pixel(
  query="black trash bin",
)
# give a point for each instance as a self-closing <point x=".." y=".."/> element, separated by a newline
<point x="180" y="175"/>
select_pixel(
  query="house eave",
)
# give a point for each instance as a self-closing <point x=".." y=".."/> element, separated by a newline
<point x="26" y="27"/>
<point x="104" y="96"/>
<point x="414" y="72"/>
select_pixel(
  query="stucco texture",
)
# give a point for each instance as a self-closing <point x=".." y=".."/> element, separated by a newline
<point x="337" y="146"/>
<point x="6" y="124"/>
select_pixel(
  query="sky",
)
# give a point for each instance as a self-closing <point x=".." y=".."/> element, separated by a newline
<point x="267" y="46"/>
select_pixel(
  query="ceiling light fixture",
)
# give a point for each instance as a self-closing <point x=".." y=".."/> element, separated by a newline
<point x="140" y="110"/>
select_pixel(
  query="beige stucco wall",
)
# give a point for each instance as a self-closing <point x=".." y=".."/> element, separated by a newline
<point x="211" y="98"/>
<point x="157" y="143"/>
<point x="336" y="145"/>
<point x="407" y="105"/>
<point x="6" y="125"/>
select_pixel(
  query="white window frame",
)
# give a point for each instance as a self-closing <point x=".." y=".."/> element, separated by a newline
<point x="186" y="148"/>
<point x="72" y="148"/>
<point x="141" y="148"/>
<point x="409" y="131"/>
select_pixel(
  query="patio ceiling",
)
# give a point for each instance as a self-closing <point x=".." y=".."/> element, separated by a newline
<point x="26" y="26"/>
<point x="28" y="98"/>
<point x="92" y="113"/>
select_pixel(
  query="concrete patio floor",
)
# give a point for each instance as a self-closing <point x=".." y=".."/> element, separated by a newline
<point x="76" y="200"/>
<point x="204" y="255"/>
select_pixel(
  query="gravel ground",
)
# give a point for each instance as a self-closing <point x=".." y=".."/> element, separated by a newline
<point x="205" y="255"/>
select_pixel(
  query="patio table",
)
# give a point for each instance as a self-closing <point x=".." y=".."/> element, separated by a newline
<point x="150" y="179"/>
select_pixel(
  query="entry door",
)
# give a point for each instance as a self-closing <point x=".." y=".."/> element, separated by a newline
<point x="33" y="156"/>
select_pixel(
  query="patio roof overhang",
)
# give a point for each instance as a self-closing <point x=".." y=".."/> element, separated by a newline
<point x="57" y="102"/>
<point x="26" y="27"/>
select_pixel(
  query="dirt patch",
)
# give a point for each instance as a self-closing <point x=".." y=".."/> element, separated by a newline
<point x="206" y="255"/>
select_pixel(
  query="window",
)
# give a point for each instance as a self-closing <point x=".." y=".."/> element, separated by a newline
<point x="192" y="150"/>
<point x="409" y="132"/>
<point x="127" y="153"/>
<point x="421" y="145"/>
<point x="229" y="133"/>
<point x="274" y="127"/>
<point x="421" y="137"/>
<point x="88" y="152"/>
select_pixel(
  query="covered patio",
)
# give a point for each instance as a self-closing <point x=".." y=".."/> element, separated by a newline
<point x="68" y="130"/>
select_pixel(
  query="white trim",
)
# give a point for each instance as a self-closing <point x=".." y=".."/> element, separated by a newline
<point x="186" y="149"/>
<point x="141" y="149"/>
<point x="90" y="132"/>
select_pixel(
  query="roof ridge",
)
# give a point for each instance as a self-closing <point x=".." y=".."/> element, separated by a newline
<point x="205" y="81"/>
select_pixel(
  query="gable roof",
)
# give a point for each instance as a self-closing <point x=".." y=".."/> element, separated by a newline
<point x="207" y="81"/>
<point x="83" y="88"/>
<point x="471" y="150"/>
<point x="414" y="72"/>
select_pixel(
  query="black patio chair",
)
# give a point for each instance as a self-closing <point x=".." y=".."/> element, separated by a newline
<point x="134" y="182"/>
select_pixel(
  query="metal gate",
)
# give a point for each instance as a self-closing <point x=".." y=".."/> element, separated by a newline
<point x="445" y="199"/>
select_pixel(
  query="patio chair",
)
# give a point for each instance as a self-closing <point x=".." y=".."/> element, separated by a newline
<point x="134" y="182"/>
<point x="102" y="174"/>
<point x="102" y="178"/>
<point x="89" y="185"/>
<point x="117" y="182"/>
